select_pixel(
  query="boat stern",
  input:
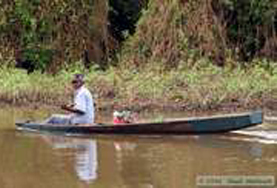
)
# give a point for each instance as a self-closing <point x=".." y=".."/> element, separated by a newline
<point x="257" y="117"/>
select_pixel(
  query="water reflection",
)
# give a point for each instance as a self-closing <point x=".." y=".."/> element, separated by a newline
<point x="85" y="155"/>
<point x="256" y="151"/>
<point x="178" y="161"/>
<point x="135" y="162"/>
<point x="36" y="160"/>
<point x="86" y="162"/>
<point x="133" y="167"/>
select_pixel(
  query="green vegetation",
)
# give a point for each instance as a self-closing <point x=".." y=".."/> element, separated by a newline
<point x="53" y="34"/>
<point x="204" y="86"/>
<point x="123" y="16"/>
<point x="17" y="87"/>
<point x="184" y="54"/>
<point x="201" y="87"/>
<point x="250" y="25"/>
<point x="173" y="32"/>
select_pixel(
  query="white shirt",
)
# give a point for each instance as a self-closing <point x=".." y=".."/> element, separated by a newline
<point x="83" y="101"/>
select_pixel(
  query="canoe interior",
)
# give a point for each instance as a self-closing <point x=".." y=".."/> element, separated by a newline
<point x="198" y="125"/>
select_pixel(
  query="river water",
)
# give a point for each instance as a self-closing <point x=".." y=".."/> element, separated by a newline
<point x="32" y="160"/>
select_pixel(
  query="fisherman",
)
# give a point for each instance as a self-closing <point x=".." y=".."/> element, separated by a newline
<point x="82" y="110"/>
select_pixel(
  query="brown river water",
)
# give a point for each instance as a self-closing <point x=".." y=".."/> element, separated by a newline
<point x="33" y="160"/>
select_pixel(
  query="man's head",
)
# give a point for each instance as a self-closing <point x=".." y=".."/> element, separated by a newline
<point x="78" y="81"/>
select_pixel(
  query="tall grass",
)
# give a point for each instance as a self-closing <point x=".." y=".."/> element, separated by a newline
<point x="198" y="87"/>
<point x="17" y="87"/>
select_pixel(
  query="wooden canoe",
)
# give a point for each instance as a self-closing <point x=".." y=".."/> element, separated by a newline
<point x="196" y="125"/>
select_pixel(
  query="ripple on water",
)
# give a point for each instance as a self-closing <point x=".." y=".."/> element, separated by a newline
<point x="262" y="136"/>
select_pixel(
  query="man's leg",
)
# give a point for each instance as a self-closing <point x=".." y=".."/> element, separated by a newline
<point x="59" y="119"/>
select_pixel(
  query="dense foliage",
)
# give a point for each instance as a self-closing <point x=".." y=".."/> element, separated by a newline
<point x="123" y="16"/>
<point x="51" y="34"/>
<point x="250" y="25"/>
<point x="179" y="32"/>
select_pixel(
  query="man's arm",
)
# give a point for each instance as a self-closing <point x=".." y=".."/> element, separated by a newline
<point x="71" y="108"/>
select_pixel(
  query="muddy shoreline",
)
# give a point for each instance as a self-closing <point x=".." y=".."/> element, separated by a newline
<point x="164" y="110"/>
<point x="255" y="104"/>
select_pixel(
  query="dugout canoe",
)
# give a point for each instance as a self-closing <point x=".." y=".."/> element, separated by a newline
<point x="193" y="125"/>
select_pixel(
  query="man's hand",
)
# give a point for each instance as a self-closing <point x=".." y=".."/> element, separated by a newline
<point x="71" y="108"/>
<point x="67" y="106"/>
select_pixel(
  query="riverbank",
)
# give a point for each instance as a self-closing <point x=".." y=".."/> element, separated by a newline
<point x="202" y="88"/>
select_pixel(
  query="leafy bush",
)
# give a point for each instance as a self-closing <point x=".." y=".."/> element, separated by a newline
<point x="249" y="24"/>
<point x="224" y="31"/>
<point x="50" y="33"/>
<point x="123" y="16"/>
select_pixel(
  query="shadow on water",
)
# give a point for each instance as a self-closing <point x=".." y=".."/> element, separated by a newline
<point x="44" y="160"/>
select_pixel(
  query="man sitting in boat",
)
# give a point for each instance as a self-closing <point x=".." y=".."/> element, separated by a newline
<point x="82" y="110"/>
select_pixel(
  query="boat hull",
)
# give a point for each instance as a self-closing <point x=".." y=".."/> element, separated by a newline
<point x="200" y="125"/>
